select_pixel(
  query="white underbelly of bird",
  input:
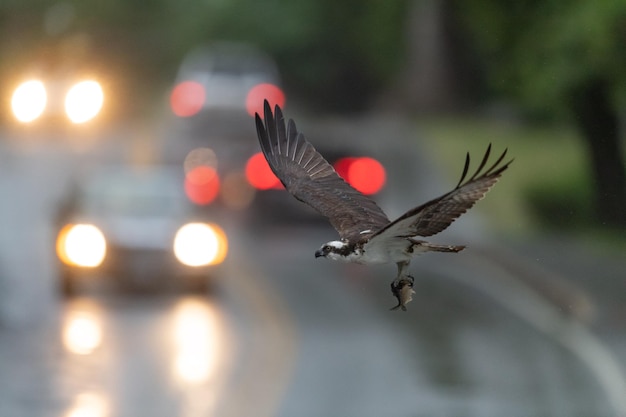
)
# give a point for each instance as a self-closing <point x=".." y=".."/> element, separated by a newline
<point x="398" y="250"/>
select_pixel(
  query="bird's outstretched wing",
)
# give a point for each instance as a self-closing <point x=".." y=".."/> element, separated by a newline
<point x="312" y="180"/>
<point x="436" y="215"/>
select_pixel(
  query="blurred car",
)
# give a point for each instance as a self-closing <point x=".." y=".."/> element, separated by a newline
<point x="55" y="92"/>
<point x="224" y="79"/>
<point x="78" y="100"/>
<point x="60" y="85"/>
<point x="217" y="91"/>
<point x="137" y="228"/>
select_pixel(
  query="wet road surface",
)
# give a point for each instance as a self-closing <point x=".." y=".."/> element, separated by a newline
<point x="288" y="335"/>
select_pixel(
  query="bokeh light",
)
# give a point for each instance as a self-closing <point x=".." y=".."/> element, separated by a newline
<point x="342" y="166"/>
<point x="187" y="98"/>
<point x="365" y="174"/>
<point x="260" y="92"/>
<point x="200" y="244"/>
<point x="197" y="341"/>
<point x="82" y="333"/>
<point x="202" y="185"/>
<point x="29" y="101"/>
<point x="199" y="157"/>
<point x="88" y="405"/>
<point x="81" y="245"/>
<point x="260" y="175"/>
<point x="84" y="101"/>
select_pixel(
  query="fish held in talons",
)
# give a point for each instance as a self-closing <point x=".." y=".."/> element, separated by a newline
<point x="403" y="291"/>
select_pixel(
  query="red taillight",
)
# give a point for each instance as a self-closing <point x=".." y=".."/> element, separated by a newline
<point x="259" y="174"/>
<point x="187" y="98"/>
<point x="261" y="92"/>
<point x="365" y="174"/>
<point x="342" y="166"/>
<point x="202" y="185"/>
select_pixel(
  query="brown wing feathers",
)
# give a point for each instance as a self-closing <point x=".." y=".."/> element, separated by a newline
<point x="284" y="147"/>
<point x="436" y="215"/>
<point x="311" y="179"/>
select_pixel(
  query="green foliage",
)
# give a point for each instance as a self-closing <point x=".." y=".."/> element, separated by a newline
<point x="561" y="203"/>
<point x="541" y="50"/>
<point x="549" y="172"/>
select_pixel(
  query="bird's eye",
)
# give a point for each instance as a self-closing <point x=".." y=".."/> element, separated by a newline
<point x="326" y="248"/>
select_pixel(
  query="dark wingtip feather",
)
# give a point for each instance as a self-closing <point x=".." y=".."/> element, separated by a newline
<point x="497" y="162"/>
<point x="260" y="127"/>
<point x="270" y="122"/>
<point x="482" y="163"/>
<point x="277" y="109"/>
<point x="278" y="113"/>
<point x="267" y="109"/>
<point x="465" y="169"/>
<point x="493" y="171"/>
<point x="499" y="169"/>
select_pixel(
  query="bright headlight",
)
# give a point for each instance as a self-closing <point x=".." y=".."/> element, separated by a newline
<point x="200" y="244"/>
<point x="84" y="101"/>
<point x="29" y="101"/>
<point x="81" y="245"/>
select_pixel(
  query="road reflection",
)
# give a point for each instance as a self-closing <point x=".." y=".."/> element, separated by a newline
<point x="82" y="328"/>
<point x="88" y="405"/>
<point x="196" y="339"/>
<point x="139" y="356"/>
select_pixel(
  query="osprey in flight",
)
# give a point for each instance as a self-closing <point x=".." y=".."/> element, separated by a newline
<point x="366" y="235"/>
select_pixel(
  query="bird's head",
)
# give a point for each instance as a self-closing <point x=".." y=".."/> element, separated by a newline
<point x="334" y="250"/>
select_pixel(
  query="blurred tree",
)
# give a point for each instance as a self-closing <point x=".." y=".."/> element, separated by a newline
<point x="336" y="54"/>
<point x="563" y="57"/>
<point x="439" y="73"/>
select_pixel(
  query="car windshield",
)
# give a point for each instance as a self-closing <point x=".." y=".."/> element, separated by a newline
<point x="229" y="59"/>
<point x="134" y="195"/>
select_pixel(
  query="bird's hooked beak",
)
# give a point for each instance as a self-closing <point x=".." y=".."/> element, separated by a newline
<point x="319" y="253"/>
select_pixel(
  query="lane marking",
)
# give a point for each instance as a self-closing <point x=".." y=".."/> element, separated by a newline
<point x="508" y="286"/>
